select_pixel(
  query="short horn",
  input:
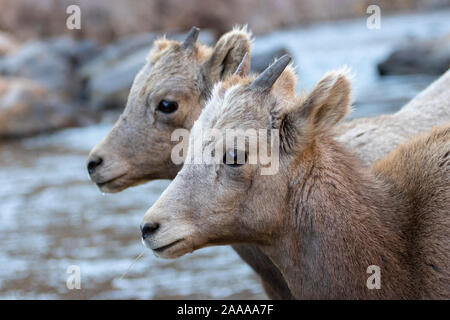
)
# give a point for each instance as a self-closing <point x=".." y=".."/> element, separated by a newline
<point x="191" y="38"/>
<point x="266" y="79"/>
<point x="243" y="68"/>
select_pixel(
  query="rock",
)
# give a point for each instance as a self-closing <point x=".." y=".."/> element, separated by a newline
<point x="260" y="61"/>
<point x="51" y="62"/>
<point x="108" y="87"/>
<point x="75" y="51"/>
<point x="116" y="51"/>
<point x="108" y="77"/>
<point x="420" y="57"/>
<point x="28" y="108"/>
<point x="7" y="44"/>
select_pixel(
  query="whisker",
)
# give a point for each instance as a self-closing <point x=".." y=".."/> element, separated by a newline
<point x="132" y="264"/>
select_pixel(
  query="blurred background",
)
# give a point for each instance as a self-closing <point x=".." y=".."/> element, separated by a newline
<point x="61" y="90"/>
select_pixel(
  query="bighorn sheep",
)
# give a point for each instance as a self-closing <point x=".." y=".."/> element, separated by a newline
<point x="137" y="149"/>
<point x="324" y="218"/>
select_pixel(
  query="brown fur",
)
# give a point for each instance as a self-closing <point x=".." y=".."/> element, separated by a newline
<point x="325" y="218"/>
<point x="425" y="159"/>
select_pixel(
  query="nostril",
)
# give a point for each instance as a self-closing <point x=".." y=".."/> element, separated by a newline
<point x="148" y="229"/>
<point x="93" y="164"/>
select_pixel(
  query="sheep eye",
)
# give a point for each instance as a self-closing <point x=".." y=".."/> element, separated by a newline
<point x="167" y="106"/>
<point x="234" y="158"/>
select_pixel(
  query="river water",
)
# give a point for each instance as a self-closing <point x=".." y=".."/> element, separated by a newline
<point x="52" y="217"/>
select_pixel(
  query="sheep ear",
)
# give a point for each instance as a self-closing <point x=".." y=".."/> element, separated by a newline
<point x="327" y="103"/>
<point x="228" y="54"/>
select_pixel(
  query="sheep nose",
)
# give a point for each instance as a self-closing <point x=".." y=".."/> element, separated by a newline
<point x="148" y="228"/>
<point x="93" y="163"/>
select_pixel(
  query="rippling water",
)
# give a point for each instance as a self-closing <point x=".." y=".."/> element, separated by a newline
<point x="52" y="217"/>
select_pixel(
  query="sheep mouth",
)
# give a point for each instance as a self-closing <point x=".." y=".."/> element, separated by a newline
<point x="102" y="184"/>
<point x="170" y="245"/>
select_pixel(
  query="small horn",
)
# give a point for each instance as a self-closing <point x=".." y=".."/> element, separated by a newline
<point x="241" y="69"/>
<point x="191" y="38"/>
<point x="266" y="79"/>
